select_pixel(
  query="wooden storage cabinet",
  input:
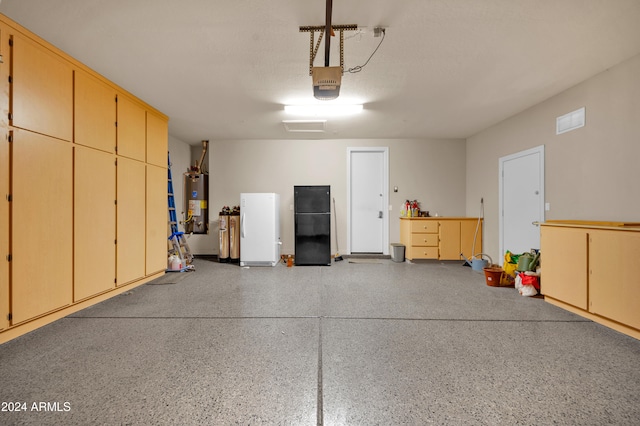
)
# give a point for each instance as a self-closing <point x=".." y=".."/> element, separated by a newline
<point x="156" y="220"/>
<point x="439" y="238"/>
<point x="94" y="112"/>
<point x="42" y="203"/>
<point x="95" y="222"/>
<point x="42" y="90"/>
<point x="131" y="214"/>
<point x="614" y="286"/>
<point x="58" y="169"/>
<point x="157" y="136"/>
<point x="589" y="269"/>
<point x="5" y="177"/>
<point x="131" y="129"/>
<point x="565" y="264"/>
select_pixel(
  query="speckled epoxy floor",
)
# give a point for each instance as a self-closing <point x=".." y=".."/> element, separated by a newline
<point x="349" y="344"/>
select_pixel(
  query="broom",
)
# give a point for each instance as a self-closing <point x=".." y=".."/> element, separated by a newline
<point x="337" y="257"/>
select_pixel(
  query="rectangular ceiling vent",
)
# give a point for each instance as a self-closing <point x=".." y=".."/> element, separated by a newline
<point x="305" y="126"/>
<point x="571" y="121"/>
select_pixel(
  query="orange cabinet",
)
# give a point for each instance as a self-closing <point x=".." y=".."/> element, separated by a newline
<point x="589" y="269"/>
<point x="131" y="129"/>
<point x="95" y="222"/>
<point x="131" y="214"/>
<point x="156" y="219"/>
<point x="42" y="223"/>
<point x="42" y="90"/>
<point x="94" y="112"/>
<point x="157" y="139"/>
<point x="440" y="238"/>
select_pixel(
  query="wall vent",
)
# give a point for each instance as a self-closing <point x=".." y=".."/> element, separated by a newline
<point x="571" y="121"/>
<point x="305" y="126"/>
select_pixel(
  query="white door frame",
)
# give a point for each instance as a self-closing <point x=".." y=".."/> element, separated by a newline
<point x="385" y="195"/>
<point x="501" y="161"/>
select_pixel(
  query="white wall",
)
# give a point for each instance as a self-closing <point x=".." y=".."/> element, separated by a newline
<point x="431" y="171"/>
<point x="591" y="173"/>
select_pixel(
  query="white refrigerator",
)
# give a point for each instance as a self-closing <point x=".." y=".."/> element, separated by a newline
<point x="259" y="229"/>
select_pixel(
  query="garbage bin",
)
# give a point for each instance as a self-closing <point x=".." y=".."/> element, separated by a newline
<point x="397" y="252"/>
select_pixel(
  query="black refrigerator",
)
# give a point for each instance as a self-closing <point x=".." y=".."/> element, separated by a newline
<point x="312" y="207"/>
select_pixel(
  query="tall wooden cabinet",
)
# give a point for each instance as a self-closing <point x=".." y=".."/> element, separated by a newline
<point x="94" y="222"/>
<point x="83" y="175"/>
<point x="42" y="224"/>
<point x="131" y="220"/>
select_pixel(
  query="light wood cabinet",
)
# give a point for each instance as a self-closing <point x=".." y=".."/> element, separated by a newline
<point x="59" y="226"/>
<point x="95" y="222"/>
<point x="5" y="177"/>
<point x="131" y="128"/>
<point x="614" y="283"/>
<point x="94" y="112"/>
<point x="449" y="240"/>
<point x="42" y="90"/>
<point x="439" y="238"/>
<point x="42" y="213"/>
<point x="565" y="265"/>
<point x="157" y="136"/>
<point x="131" y="216"/>
<point x="589" y="269"/>
<point x="156" y="220"/>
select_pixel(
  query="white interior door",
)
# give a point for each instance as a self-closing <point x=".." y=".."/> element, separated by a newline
<point x="521" y="200"/>
<point x="368" y="225"/>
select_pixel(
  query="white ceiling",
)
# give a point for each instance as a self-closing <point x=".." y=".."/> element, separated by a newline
<point x="447" y="68"/>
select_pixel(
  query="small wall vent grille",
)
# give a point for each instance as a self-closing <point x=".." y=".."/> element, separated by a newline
<point x="305" y="126"/>
<point x="571" y="121"/>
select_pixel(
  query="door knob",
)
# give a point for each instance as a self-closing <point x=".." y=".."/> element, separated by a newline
<point x="380" y="214"/>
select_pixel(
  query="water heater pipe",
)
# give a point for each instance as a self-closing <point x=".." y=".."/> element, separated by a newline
<point x="204" y="152"/>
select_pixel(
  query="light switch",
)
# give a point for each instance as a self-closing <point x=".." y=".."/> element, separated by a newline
<point x="547" y="207"/>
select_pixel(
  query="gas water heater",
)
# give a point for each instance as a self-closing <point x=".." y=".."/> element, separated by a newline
<point x="196" y="194"/>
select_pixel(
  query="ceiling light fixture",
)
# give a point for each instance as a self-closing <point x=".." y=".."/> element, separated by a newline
<point x="315" y="110"/>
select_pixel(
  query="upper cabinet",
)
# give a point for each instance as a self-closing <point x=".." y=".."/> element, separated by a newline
<point x="41" y="90"/>
<point x="94" y="113"/>
<point x="131" y="128"/>
<point x="157" y="139"/>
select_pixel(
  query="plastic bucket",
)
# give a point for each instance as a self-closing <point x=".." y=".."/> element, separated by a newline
<point x="493" y="276"/>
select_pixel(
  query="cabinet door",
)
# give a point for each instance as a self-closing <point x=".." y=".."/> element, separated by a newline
<point x="4" y="180"/>
<point x="42" y="90"/>
<point x="564" y="262"/>
<point x="450" y="240"/>
<point x="95" y="222"/>
<point x="131" y="216"/>
<point x="157" y="140"/>
<point x="157" y="220"/>
<point x="42" y="225"/>
<point x="95" y="113"/>
<point x="614" y="286"/>
<point x="131" y="128"/>
<point x="467" y="233"/>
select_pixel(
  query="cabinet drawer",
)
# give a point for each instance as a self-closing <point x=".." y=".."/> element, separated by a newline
<point x="423" y="253"/>
<point x="424" y="226"/>
<point x="430" y="240"/>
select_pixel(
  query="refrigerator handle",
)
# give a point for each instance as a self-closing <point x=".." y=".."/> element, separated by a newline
<point x="242" y="226"/>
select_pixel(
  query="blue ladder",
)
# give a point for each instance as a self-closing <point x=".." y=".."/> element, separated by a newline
<point x="179" y="246"/>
